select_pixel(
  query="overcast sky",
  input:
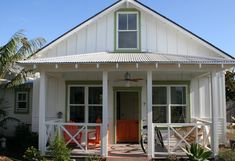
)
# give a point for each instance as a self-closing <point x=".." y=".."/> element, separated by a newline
<point x="213" y="20"/>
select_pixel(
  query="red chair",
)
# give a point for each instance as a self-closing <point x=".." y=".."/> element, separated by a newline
<point x="93" y="137"/>
<point x="72" y="130"/>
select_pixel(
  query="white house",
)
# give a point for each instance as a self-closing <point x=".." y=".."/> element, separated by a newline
<point x="125" y="65"/>
<point x="17" y="103"/>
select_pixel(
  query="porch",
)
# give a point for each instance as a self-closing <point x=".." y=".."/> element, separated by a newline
<point x="169" y="94"/>
<point x="176" y="136"/>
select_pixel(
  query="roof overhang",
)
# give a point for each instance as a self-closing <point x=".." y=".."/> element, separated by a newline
<point x="127" y="61"/>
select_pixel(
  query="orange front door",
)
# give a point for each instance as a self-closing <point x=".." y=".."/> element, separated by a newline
<point x="127" y="131"/>
<point x="127" y="124"/>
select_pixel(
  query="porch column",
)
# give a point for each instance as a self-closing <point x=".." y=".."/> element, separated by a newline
<point x="214" y="112"/>
<point x="42" y="106"/>
<point x="223" y="104"/>
<point x="149" y="115"/>
<point x="104" y="146"/>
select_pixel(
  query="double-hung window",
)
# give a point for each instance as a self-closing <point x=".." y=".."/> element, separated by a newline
<point x="170" y="104"/>
<point x="22" y="101"/>
<point x="127" y="33"/>
<point x="85" y="103"/>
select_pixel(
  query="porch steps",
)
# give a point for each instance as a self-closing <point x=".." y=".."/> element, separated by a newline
<point x="127" y="159"/>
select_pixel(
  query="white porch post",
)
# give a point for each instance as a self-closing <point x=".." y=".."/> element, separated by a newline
<point x="223" y="104"/>
<point x="104" y="146"/>
<point x="42" y="106"/>
<point x="149" y="115"/>
<point x="214" y="110"/>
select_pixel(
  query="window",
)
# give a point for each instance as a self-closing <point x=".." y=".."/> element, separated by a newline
<point x="85" y="103"/>
<point x="22" y="101"/>
<point x="169" y="104"/>
<point x="127" y="31"/>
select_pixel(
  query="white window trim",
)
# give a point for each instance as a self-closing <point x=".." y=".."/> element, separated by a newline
<point x="137" y="30"/>
<point x="169" y="105"/>
<point x="86" y="103"/>
<point x="22" y="110"/>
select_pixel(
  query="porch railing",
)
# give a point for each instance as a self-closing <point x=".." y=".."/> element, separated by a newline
<point x="58" y="127"/>
<point x="177" y="136"/>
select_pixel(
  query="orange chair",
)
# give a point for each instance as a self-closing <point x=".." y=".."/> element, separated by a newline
<point x="72" y="129"/>
<point x="93" y="137"/>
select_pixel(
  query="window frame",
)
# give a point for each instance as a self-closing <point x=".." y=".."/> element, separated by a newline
<point x="22" y="110"/>
<point x="169" y="105"/>
<point x="86" y="101"/>
<point x="137" y="30"/>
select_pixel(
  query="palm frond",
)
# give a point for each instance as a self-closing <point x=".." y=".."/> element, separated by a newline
<point x="18" y="48"/>
<point x="19" y="79"/>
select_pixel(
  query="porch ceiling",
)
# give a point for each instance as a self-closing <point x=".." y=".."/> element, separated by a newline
<point x="145" y="58"/>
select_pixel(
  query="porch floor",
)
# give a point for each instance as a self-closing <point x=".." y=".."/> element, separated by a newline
<point x="114" y="151"/>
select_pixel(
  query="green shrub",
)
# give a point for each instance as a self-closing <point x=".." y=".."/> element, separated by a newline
<point x="95" y="158"/>
<point x="24" y="137"/>
<point x="58" y="149"/>
<point x="172" y="158"/>
<point x="197" y="153"/>
<point x="227" y="155"/>
<point x="33" y="154"/>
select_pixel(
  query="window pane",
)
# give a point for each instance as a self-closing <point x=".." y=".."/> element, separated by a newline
<point x="95" y="112"/>
<point x="159" y="95"/>
<point x="159" y="114"/>
<point x="24" y="95"/>
<point x="132" y="21"/>
<point x="20" y="96"/>
<point x="77" y="113"/>
<point x="76" y="95"/>
<point x="178" y="114"/>
<point x="95" y="95"/>
<point x="22" y="105"/>
<point x="178" y="95"/>
<point x="122" y="21"/>
<point x="127" y="39"/>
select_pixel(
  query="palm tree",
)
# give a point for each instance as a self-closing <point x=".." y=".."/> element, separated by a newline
<point x="18" y="48"/>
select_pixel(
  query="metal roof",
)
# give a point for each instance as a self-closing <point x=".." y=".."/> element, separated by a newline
<point x="105" y="57"/>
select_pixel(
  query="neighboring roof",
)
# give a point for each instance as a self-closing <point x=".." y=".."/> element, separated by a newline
<point x="148" y="8"/>
<point x="104" y="57"/>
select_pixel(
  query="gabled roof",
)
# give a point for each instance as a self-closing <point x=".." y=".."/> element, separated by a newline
<point x="105" y="58"/>
<point x="146" y="8"/>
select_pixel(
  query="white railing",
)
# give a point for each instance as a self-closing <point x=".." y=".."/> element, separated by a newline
<point x="177" y="136"/>
<point x="79" y="137"/>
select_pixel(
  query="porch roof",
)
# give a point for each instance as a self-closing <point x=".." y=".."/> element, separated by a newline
<point x="141" y="57"/>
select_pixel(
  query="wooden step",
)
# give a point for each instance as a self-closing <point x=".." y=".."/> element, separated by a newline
<point x="127" y="159"/>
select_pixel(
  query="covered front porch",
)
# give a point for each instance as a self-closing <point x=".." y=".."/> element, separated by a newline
<point x="182" y="96"/>
<point x="184" y="123"/>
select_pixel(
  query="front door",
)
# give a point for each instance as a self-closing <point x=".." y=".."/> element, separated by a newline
<point x="127" y="108"/>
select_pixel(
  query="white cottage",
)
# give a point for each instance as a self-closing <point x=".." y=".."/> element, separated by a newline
<point x="126" y="65"/>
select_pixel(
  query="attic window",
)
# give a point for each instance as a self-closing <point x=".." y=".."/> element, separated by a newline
<point x="127" y="31"/>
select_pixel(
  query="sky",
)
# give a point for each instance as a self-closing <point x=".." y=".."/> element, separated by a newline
<point x="213" y="20"/>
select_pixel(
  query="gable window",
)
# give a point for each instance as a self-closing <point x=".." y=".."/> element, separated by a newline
<point x="85" y="103"/>
<point x="22" y="101"/>
<point x="169" y="104"/>
<point x="127" y="34"/>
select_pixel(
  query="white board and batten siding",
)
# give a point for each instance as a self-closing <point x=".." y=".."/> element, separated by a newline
<point x="201" y="106"/>
<point x="156" y="36"/>
<point x="54" y="102"/>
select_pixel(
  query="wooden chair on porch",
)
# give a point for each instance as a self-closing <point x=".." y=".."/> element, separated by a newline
<point x="93" y="137"/>
<point x="72" y="130"/>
